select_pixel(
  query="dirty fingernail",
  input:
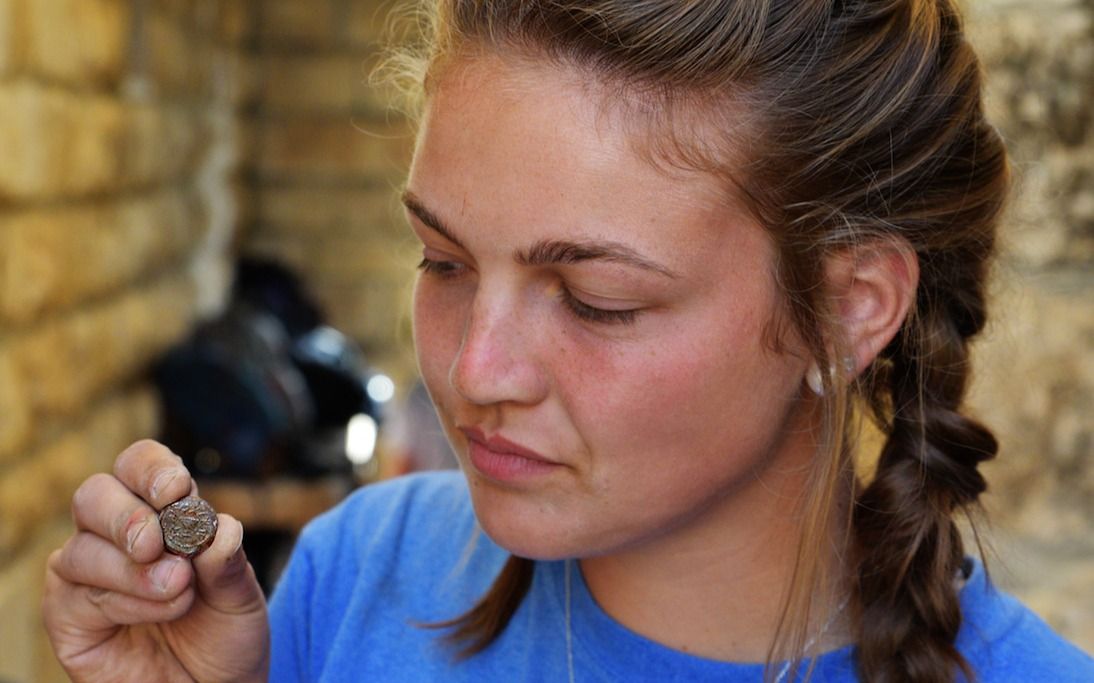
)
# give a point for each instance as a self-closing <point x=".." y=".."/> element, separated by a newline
<point x="162" y="480"/>
<point x="134" y="533"/>
<point x="161" y="573"/>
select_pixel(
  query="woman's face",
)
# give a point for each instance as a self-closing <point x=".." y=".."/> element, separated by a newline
<point x="594" y="332"/>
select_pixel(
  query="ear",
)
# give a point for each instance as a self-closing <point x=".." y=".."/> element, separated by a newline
<point x="873" y="287"/>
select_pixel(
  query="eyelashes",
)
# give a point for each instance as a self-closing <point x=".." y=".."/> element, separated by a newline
<point x="597" y="315"/>
<point x="577" y="307"/>
<point x="443" y="269"/>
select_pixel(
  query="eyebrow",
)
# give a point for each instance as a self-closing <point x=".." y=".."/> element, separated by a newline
<point x="415" y="206"/>
<point x="565" y="252"/>
<point x="546" y="252"/>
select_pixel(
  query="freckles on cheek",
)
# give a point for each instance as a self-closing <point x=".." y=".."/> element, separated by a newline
<point x="633" y="387"/>
<point x="437" y="337"/>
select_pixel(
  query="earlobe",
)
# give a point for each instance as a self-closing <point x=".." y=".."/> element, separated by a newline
<point x="873" y="287"/>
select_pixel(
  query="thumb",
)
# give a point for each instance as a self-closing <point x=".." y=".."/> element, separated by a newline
<point x="225" y="580"/>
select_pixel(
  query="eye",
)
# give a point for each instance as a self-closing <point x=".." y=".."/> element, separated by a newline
<point x="443" y="269"/>
<point x="597" y="315"/>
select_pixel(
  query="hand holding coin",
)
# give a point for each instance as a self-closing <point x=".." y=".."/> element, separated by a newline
<point x="116" y="602"/>
<point x="189" y="526"/>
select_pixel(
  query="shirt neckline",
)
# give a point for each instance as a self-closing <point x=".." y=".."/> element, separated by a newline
<point x="610" y="648"/>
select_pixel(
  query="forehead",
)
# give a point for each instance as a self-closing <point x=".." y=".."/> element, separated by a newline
<point x="516" y="142"/>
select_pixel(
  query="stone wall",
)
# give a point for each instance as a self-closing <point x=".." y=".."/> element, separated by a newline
<point x="1036" y="363"/>
<point x="117" y="161"/>
<point x="329" y="157"/>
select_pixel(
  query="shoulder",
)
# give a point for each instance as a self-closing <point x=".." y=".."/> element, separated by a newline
<point x="1005" y="641"/>
<point x="411" y="522"/>
<point x="412" y="540"/>
<point x="390" y="556"/>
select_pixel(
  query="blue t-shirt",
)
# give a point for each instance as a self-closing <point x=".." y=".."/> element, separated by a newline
<point x="367" y="575"/>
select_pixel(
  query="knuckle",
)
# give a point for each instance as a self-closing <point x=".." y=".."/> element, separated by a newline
<point x="98" y="596"/>
<point x="181" y="603"/>
<point x="143" y="450"/>
<point x="65" y="562"/>
<point x="53" y="561"/>
<point x="88" y="493"/>
<point x="129" y="525"/>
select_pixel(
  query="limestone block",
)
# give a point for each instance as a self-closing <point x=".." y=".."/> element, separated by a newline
<point x="21" y="629"/>
<point x="1038" y="58"/>
<point x="7" y="36"/>
<point x="323" y="83"/>
<point x="91" y="49"/>
<point x="40" y="487"/>
<point x="160" y="143"/>
<point x="234" y="21"/>
<point x="1035" y="387"/>
<point x="69" y="361"/>
<point x="373" y="211"/>
<point x="37" y="257"/>
<point x="178" y="62"/>
<point x="140" y="151"/>
<point x="62" y="144"/>
<point x="233" y="81"/>
<point x="57" y="143"/>
<point x="48" y="360"/>
<point x="118" y="422"/>
<point x="92" y="128"/>
<point x="27" y="264"/>
<point x="295" y="23"/>
<point x="177" y="10"/>
<point x="334" y="149"/>
<point x="30" y="163"/>
<point x="20" y="585"/>
<point x="15" y="419"/>
<point x="55" y="258"/>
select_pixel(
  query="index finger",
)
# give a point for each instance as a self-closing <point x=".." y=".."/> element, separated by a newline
<point x="151" y="471"/>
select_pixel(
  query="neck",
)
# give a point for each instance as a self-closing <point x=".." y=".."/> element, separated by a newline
<point x="717" y="587"/>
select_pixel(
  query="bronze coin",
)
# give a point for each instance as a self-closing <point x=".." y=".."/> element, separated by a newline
<point x="189" y="526"/>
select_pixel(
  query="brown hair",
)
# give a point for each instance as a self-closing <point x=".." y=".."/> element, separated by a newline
<point x="863" y="122"/>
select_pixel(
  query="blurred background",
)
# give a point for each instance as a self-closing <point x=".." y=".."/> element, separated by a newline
<point x="200" y="241"/>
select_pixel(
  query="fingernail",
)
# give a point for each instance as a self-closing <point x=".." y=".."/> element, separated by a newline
<point x="134" y="533"/>
<point x="239" y="543"/>
<point x="161" y="573"/>
<point x="162" y="480"/>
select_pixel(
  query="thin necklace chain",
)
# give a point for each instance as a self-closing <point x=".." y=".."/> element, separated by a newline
<point x="569" y="631"/>
<point x="567" y="581"/>
<point x="815" y="637"/>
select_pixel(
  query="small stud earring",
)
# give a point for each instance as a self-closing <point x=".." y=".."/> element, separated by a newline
<point x="813" y="379"/>
<point x="849" y="366"/>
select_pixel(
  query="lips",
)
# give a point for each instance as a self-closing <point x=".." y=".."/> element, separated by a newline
<point x="503" y="460"/>
<point x="499" y="444"/>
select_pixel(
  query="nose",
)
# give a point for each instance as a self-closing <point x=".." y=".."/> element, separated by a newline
<point x="496" y="360"/>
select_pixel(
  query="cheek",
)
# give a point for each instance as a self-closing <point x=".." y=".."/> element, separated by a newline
<point x="438" y="330"/>
<point x="690" y="391"/>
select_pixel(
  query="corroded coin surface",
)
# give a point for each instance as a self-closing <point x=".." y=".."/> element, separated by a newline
<point x="189" y="526"/>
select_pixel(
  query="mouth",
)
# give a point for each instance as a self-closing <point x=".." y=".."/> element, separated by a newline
<point x="502" y="460"/>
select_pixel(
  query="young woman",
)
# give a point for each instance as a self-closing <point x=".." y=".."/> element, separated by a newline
<point x="672" y="251"/>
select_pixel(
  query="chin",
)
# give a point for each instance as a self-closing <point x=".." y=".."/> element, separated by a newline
<point x="517" y="522"/>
